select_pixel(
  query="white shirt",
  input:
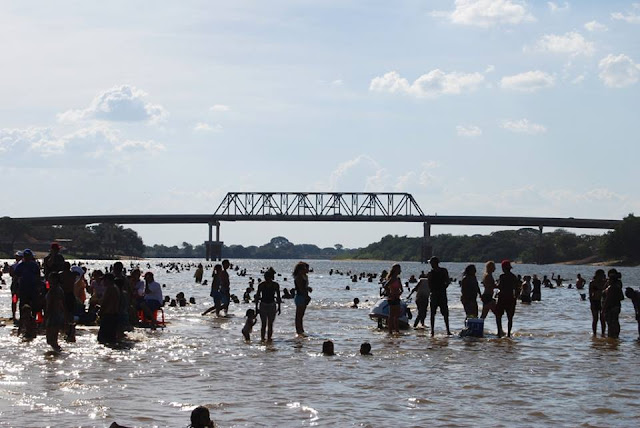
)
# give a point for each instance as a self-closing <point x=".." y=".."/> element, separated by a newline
<point x="156" y="292"/>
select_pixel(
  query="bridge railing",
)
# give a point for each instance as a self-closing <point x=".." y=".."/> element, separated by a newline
<point x="316" y="204"/>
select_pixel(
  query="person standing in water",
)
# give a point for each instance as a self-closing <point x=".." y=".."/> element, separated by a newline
<point x="438" y="282"/>
<point x="216" y="280"/>
<point x="611" y="305"/>
<point x="536" y="296"/>
<point x="596" y="288"/>
<point x="54" y="313"/>
<point x="301" y="299"/>
<point x="225" y="286"/>
<point x="488" y="301"/>
<point x="470" y="290"/>
<point x="393" y="288"/>
<point x="199" y="273"/>
<point x="634" y="295"/>
<point x="422" y="299"/>
<point x="267" y="297"/>
<point x="509" y="287"/>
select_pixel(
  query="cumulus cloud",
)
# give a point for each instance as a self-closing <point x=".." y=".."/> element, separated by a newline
<point x="618" y="71"/>
<point x="468" y="131"/>
<point x="571" y="43"/>
<point x="120" y="104"/>
<point x="93" y="141"/>
<point x="219" y="108"/>
<point x="595" y="26"/>
<point x="630" y="17"/>
<point x="523" y="126"/>
<point x="205" y="127"/>
<point x="487" y="13"/>
<point x="555" y="7"/>
<point x="529" y="81"/>
<point x="429" y="85"/>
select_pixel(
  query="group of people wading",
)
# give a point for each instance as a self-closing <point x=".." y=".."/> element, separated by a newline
<point x="500" y="297"/>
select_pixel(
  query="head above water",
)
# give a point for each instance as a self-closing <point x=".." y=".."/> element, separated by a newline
<point x="200" y="418"/>
<point x="327" y="348"/>
<point x="365" y="348"/>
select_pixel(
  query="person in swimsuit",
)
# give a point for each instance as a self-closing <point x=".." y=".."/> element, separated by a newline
<point x="422" y="299"/>
<point x="301" y="299"/>
<point x="537" y="291"/>
<point x="215" y="290"/>
<point x="470" y="291"/>
<point x="438" y="282"/>
<point x="509" y="287"/>
<point x="580" y="282"/>
<point x="54" y="314"/>
<point x="393" y="288"/>
<point x="596" y="288"/>
<point x="488" y="301"/>
<point x="267" y="297"/>
<point x="611" y="305"/>
<point x="225" y="286"/>
<point x="525" y="295"/>
<point x="249" y="323"/>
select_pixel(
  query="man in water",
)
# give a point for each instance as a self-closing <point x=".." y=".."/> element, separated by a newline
<point x="225" y="286"/>
<point x="509" y="287"/>
<point x="29" y="288"/>
<point x="109" y="311"/>
<point x="439" y="280"/>
<point x="54" y="262"/>
<point x="153" y="299"/>
<point x="14" y="284"/>
<point x="613" y="297"/>
<point x="422" y="299"/>
<point x="634" y="295"/>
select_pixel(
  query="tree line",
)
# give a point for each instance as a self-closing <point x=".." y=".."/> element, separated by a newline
<point x="525" y="245"/>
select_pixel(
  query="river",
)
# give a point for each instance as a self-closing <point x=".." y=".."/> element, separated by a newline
<point x="552" y="372"/>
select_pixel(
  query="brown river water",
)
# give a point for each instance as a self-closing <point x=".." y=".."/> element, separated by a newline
<point x="551" y="373"/>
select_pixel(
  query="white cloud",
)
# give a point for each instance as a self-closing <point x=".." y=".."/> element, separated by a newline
<point x="618" y="71"/>
<point x="529" y="81"/>
<point x="578" y="79"/>
<point x="571" y="43"/>
<point x="337" y="82"/>
<point x="595" y="26"/>
<point x="554" y="7"/>
<point x="468" y="131"/>
<point x="429" y="85"/>
<point x="205" y="127"/>
<point x="490" y="69"/>
<point x="219" y="108"/>
<point x="93" y="140"/>
<point x="523" y="126"/>
<point x="487" y="13"/>
<point x="630" y="17"/>
<point x="120" y="103"/>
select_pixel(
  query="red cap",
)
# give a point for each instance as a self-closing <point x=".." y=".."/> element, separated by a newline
<point x="55" y="245"/>
<point x="506" y="264"/>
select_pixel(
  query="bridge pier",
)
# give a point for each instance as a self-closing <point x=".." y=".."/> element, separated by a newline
<point x="427" y="249"/>
<point x="540" y="248"/>
<point x="213" y="249"/>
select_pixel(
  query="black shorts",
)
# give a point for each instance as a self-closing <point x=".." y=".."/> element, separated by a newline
<point x="508" y="306"/>
<point x="596" y="305"/>
<point x="439" y="300"/>
<point x="487" y="299"/>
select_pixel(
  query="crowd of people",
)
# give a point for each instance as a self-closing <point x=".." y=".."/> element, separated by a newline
<point x="55" y="294"/>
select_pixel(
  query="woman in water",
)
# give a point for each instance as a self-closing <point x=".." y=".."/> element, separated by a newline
<point x="470" y="291"/>
<point x="596" y="287"/>
<point x="301" y="299"/>
<point x="216" y="282"/>
<point x="393" y="288"/>
<point x="266" y="298"/>
<point x="488" y="301"/>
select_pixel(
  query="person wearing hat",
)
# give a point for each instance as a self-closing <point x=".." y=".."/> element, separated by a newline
<point x="14" y="284"/>
<point x="509" y="287"/>
<point x="439" y="280"/>
<point x="54" y="262"/>
<point x="29" y="282"/>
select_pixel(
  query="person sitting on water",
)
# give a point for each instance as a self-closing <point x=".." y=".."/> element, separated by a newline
<point x="152" y="298"/>
<point x="267" y="297"/>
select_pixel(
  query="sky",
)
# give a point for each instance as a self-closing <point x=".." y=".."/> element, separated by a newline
<point x="476" y="107"/>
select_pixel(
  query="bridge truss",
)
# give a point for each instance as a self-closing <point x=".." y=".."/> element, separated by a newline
<point x="316" y="206"/>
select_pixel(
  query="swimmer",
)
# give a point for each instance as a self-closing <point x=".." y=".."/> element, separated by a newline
<point x="356" y="301"/>
<point x="248" y="325"/>
<point x="327" y="348"/>
<point x="267" y="297"/>
<point x="393" y="288"/>
<point x="302" y="298"/>
<point x="365" y="349"/>
<point x="201" y="418"/>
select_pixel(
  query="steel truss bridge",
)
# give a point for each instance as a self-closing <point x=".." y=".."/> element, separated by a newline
<point x="322" y="206"/>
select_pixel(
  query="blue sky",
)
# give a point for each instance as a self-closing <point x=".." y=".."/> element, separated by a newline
<point x="476" y="107"/>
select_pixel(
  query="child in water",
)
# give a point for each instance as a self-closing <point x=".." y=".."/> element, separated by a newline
<point x="248" y="325"/>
